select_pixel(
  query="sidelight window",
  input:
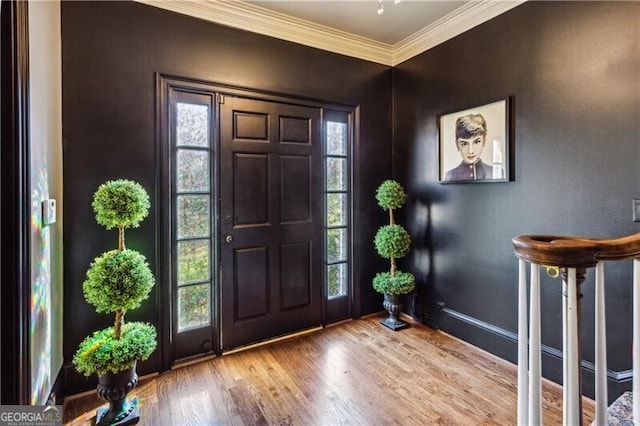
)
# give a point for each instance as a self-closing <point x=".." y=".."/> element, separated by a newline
<point x="192" y="236"/>
<point x="337" y="205"/>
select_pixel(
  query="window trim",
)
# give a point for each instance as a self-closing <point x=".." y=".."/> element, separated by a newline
<point x="343" y="117"/>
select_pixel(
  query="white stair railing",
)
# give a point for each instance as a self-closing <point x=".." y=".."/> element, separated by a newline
<point x="570" y="257"/>
<point x="636" y="341"/>
<point x="601" y="348"/>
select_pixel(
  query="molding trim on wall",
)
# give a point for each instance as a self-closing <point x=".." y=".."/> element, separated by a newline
<point x="75" y="384"/>
<point x="510" y="342"/>
<point x="464" y="18"/>
<point x="249" y="17"/>
<point x="57" y="394"/>
<point x="259" y="20"/>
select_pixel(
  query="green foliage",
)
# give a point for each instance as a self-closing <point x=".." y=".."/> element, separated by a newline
<point x="333" y="284"/>
<point x="120" y="203"/>
<point x="335" y="210"/>
<point x="401" y="283"/>
<point x="118" y="280"/>
<point x="390" y="195"/>
<point x="193" y="261"/>
<point x="102" y="352"/>
<point x="336" y="277"/>
<point x="194" y="305"/>
<point x="193" y="215"/>
<point x="392" y="241"/>
<point x="196" y="268"/>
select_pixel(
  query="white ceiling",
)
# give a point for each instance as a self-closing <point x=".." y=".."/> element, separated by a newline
<point x="351" y="27"/>
<point x="360" y="17"/>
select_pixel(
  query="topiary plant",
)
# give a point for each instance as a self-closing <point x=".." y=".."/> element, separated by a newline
<point x="392" y="242"/>
<point x="101" y="353"/>
<point x="117" y="281"/>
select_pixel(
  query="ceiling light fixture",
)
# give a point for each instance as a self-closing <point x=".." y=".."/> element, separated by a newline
<point x="381" y="6"/>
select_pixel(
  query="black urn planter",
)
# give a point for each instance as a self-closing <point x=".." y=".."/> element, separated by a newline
<point x="114" y="388"/>
<point x="393" y="304"/>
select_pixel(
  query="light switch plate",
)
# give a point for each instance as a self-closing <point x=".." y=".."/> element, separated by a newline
<point x="48" y="211"/>
<point x="636" y="210"/>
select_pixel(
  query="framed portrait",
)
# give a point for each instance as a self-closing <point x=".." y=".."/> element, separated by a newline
<point x="474" y="144"/>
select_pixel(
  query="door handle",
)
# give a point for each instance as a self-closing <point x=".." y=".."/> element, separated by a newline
<point x="228" y="238"/>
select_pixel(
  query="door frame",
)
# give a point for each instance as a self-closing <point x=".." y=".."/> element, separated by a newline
<point x="341" y="308"/>
<point x="15" y="267"/>
<point x="164" y="84"/>
<point x="204" y="333"/>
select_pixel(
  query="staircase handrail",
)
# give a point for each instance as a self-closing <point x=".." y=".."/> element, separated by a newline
<point x="574" y="252"/>
<point x="571" y="256"/>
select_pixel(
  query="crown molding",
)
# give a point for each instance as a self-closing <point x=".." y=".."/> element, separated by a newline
<point x="464" y="18"/>
<point x="249" y="17"/>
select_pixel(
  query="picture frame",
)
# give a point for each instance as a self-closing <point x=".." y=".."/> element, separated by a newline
<point x="474" y="144"/>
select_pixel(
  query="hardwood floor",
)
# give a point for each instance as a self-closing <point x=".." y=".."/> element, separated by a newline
<point x="357" y="372"/>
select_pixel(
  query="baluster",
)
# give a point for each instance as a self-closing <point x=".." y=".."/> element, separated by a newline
<point x="565" y="336"/>
<point x="601" y="349"/>
<point x="636" y="341"/>
<point x="523" y="338"/>
<point x="535" y="384"/>
<point x="580" y="253"/>
<point x="571" y="360"/>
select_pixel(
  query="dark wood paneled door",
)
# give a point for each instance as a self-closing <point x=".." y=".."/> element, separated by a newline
<point x="271" y="219"/>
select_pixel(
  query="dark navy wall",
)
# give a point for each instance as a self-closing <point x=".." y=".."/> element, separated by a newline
<point x="111" y="52"/>
<point x="573" y="71"/>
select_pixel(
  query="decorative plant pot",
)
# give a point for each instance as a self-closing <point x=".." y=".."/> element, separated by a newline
<point x="392" y="303"/>
<point x="115" y="388"/>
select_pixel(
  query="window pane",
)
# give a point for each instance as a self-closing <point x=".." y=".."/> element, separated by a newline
<point x="193" y="170"/>
<point x="336" y="245"/>
<point x="336" y="138"/>
<point x="193" y="306"/>
<point x="336" y="174"/>
<point x="193" y="216"/>
<point x="192" y="125"/>
<point x="193" y="261"/>
<point x="337" y="280"/>
<point x="336" y="209"/>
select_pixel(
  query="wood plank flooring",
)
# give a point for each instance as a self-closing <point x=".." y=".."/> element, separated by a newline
<point x="357" y="372"/>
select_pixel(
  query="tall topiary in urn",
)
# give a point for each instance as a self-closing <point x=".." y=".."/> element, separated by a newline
<point x="118" y="281"/>
<point x="392" y="241"/>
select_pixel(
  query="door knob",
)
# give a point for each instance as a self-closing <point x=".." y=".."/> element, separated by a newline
<point x="228" y="238"/>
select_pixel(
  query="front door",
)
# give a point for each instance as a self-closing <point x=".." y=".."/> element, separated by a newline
<point x="270" y="219"/>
